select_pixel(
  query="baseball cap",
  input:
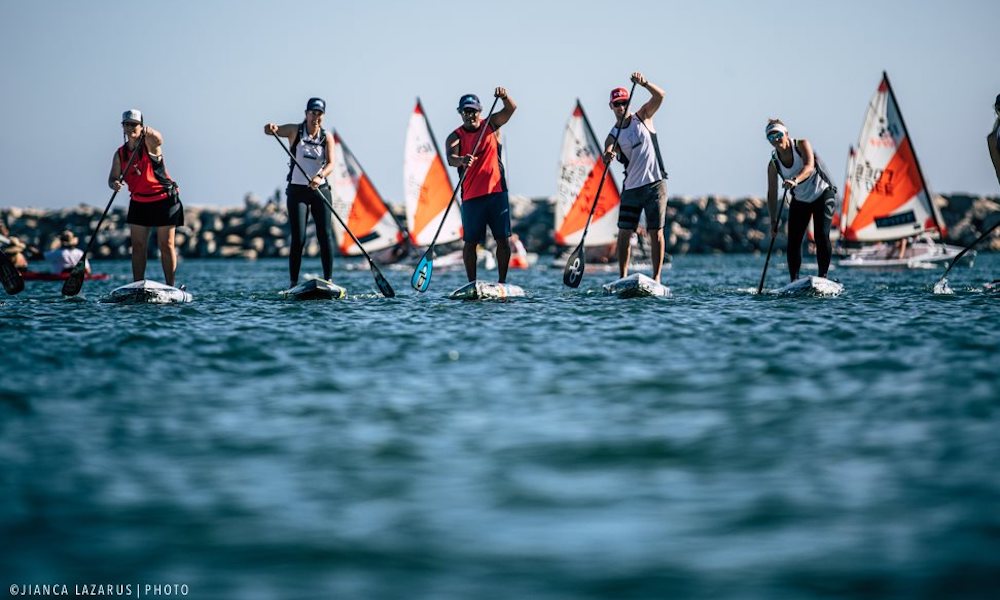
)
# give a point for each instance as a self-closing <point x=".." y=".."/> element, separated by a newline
<point x="469" y="101"/>
<point x="132" y="115"/>
<point x="316" y="104"/>
<point x="619" y="93"/>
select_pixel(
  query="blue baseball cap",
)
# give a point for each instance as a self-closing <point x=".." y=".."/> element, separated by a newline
<point x="316" y="104"/>
<point x="469" y="101"/>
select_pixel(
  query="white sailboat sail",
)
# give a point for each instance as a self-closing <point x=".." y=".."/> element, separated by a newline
<point x="360" y="205"/>
<point x="426" y="185"/>
<point x="580" y="170"/>
<point x="888" y="198"/>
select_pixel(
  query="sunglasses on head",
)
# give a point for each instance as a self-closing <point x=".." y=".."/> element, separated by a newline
<point x="775" y="136"/>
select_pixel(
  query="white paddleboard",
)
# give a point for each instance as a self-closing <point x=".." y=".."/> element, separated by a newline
<point x="811" y="286"/>
<point x="315" y="289"/>
<point x="483" y="290"/>
<point x="635" y="285"/>
<point x="148" y="292"/>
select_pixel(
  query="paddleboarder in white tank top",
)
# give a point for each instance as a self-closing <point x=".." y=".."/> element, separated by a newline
<point x="645" y="177"/>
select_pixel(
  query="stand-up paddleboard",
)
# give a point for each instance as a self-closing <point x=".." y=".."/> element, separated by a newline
<point x="315" y="289"/>
<point x="811" y="286"/>
<point x="483" y="290"/>
<point x="148" y="292"/>
<point x="635" y="285"/>
<point x="992" y="287"/>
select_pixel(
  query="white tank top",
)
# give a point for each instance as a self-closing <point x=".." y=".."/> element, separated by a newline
<point x="808" y="190"/>
<point x="311" y="155"/>
<point x="638" y="144"/>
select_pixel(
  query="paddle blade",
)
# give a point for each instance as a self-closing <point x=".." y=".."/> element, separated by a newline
<point x="573" y="273"/>
<point x="382" y="282"/>
<point x="421" y="278"/>
<point x="12" y="280"/>
<point x="74" y="283"/>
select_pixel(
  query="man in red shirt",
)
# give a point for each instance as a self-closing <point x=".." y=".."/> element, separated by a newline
<point x="484" y="188"/>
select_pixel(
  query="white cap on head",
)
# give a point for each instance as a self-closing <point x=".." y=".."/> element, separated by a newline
<point x="775" y="127"/>
<point x="132" y="115"/>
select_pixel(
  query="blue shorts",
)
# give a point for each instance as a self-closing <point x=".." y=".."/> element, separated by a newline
<point x="491" y="209"/>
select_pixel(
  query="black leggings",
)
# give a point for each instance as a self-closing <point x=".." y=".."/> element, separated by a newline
<point x="302" y="201"/>
<point x="799" y="213"/>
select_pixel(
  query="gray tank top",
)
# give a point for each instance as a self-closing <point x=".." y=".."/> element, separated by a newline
<point x="639" y="145"/>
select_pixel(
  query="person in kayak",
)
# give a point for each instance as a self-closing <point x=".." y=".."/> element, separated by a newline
<point x="63" y="254"/>
<point x="312" y="147"/>
<point x="645" y="176"/>
<point x="484" y="188"/>
<point x="793" y="167"/>
<point x="155" y="198"/>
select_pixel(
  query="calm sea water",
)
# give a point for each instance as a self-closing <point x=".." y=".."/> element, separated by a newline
<point x="566" y="445"/>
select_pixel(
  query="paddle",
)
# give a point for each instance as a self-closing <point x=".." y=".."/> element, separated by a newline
<point x="573" y="273"/>
<point x="9" y="275"/>
<point x="74" y="283"/>
<point x="955" y="260"/>
<point x="421" y="278"/>
<point x="380" y="280"/>
<point x="781" y="209"/>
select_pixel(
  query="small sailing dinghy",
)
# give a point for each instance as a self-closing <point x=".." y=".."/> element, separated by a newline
<point x="148" y="292"/>
<point x="886" y="199"/>
<point x="484" y="290"/>
<point x="315" y="289"/>
<point x="636" y="285"/>
<point x="811" y="286"/>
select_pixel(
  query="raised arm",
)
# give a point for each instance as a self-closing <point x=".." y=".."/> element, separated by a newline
<point x="501" y="118"/>
<point x="287" y="131"/>
<point x="656" y="95"/>
<point x="154" y="140"/>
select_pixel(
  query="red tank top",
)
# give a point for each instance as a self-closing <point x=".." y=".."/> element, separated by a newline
<point x="486" y="175"/>
<point x="147" y="181"/>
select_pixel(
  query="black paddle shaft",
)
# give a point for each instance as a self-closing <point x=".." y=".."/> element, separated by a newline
<point x="380" y="279"/>
<point x="955" y="260"/>
<point x="770" y="247"/>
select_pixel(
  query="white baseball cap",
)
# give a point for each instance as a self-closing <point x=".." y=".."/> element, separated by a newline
<point x="132" y="115"/>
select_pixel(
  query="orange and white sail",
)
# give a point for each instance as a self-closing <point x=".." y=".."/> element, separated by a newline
<point x="360" y="205"/>
<point x="426" y="185"/>
<point x="580" y="170"/>
<point x="888" y="197"/>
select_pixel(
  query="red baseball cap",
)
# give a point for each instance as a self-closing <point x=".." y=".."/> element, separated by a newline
<point x="619" y="93"/>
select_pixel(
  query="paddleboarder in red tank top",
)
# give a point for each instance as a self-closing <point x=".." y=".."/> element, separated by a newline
<point x="484" y="189"/>
<point x="155" y="199"/>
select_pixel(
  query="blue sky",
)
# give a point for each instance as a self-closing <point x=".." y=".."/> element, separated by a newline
<point x="210" y="73"/>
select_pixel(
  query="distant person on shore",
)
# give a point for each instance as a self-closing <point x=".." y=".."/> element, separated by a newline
<point x="312" y="147"/>
<point x="793" y="167"/>
<point x="155" y="199"/>
<point x="63" y="254"/>
<point x="15" y="252"/>
<point x="993" y="139"/>
<point x="484" y="189"/>
<point x="645" y="176"/>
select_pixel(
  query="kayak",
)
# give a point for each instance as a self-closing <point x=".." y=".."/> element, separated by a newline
<point x="44" y="276"/>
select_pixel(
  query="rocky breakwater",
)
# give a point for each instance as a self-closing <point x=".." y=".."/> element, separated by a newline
<point x="260" y="229"/>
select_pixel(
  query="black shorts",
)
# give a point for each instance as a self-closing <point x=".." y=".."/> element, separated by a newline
<point x="162" y="213"/>
<point x="651" y="199"/>
<point x="491" y="209"/>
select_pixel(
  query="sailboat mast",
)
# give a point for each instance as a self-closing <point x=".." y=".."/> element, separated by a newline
<point x="913" y="149"/>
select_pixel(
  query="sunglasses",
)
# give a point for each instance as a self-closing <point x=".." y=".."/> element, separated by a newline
<point x="620" y="103"/>
<point x="468" y="112"/>
<point x="775" y="136"/>
<point x="316" y="113"/>
<point x="130" y="125"/>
